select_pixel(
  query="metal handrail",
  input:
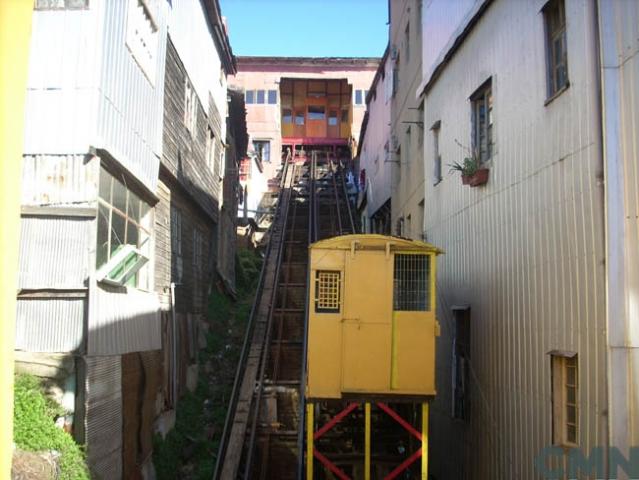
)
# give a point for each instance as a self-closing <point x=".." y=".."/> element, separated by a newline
<point x="230" y="413"/>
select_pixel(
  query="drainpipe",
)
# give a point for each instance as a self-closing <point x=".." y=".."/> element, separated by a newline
<point x="15" y="34"/>
<point x="622" y="338"/>
<point x="174" y="348"/>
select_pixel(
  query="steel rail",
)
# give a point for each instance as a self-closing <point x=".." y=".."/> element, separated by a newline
<point x="239" y="374"/>
<point x="267" y="337"/>
<point x="312" y="237"/>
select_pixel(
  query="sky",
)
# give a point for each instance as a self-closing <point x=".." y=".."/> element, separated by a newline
<point x="307" y="28"/>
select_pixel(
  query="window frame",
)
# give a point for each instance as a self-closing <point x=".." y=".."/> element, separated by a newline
<point x="258" y="94"/>
<point x="560" y="363"/>
<point x="483" y="96"/>
<point x="318" y="291"/>
<point x="257" y="143"/>
<point x="143" y="246"/>
<point x="554" y="31"/>
<point x="461" y="397"/>
<point x="437" y="157"/>
<point x="271" y="94"/>
<point x="250" y="93"/>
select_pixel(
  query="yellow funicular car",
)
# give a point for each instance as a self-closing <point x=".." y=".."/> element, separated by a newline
<point x="371" y="331"/>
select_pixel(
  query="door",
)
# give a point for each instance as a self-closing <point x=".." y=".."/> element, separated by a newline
<point x="414" y="326"/>
<point x="366" y="324"/>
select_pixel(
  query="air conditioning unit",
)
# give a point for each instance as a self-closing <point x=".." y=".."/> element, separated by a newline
<point x="394" y="52"/>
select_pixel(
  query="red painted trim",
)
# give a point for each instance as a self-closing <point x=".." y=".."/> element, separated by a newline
<point x="286" y="141"/>
<point x="331" y="466"/>
<point x="335" y="420"/>
<point x="404" y="465"/>
<point x="400" y="420"/>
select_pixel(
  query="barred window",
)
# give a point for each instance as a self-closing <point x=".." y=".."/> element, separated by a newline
<point x="411" y="282"/>
<point x="327" y="291"/>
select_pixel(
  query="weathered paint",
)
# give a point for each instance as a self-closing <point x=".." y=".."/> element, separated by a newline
<point x="15" y="28"/>
<point x="123" y="321"/>
<point x="69" y="180"/>
<point x="86" y="90"/>
<point x="525" y="251"/>
<point x="54" y="252"/>
<point x="50" y="325"/>
<point x="103" y="416"/>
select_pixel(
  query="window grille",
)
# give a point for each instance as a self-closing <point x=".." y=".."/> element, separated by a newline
<point x="327" y="291"/>
<point x="411" y="282"/>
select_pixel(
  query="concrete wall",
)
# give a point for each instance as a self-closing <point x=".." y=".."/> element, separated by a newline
<point x="263" y="121"/>
<point x="526" y="251"/>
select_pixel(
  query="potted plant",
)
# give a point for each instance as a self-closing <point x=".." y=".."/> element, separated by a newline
<point x="472" y="172"/>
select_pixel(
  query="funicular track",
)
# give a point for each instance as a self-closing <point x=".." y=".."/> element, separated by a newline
<point x="262" y="434"/>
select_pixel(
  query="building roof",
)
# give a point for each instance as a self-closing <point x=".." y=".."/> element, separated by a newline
<point x="220" y="35"/>
<point x="371" y="62"/>
<point x="374" y="242"/>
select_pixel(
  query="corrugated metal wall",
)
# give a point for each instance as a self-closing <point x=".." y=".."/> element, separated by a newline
<point x="50" y="325"/>
<point x="526" y="251"/>
<point x="62" y="91"/>
<point x="54" y="252"/>
<point x="619" y="35"/>
<point x="103" y="417"/>
<point x="123" y="321"/>
<point x="70" y="180"/>
<point x="130" y="107"/>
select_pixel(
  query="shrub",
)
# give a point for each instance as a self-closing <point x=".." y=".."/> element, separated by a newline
<point x="34" y="428"/>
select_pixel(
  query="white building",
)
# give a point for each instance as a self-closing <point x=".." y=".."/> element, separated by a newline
<point x="538" y="284"/>
<point x="374" y="154"/>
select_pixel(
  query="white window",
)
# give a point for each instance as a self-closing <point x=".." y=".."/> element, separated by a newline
<point x="190" y="106"/>
<point x="123" y="235"/>
<point x="142" y="35"/>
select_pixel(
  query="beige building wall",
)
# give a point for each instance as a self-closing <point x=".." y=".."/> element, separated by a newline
<point x="407" y="128"/>
<point x="373" y="151"/>
<point x="264" y="73"/>
<point x="525" y="253"/>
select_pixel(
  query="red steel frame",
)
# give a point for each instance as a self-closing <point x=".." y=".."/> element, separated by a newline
<point x="340" y="416"/>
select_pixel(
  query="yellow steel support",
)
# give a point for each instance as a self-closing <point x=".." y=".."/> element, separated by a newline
<point x="425" y="441"/>
<point x="310" y="430"/>
<point x="15" y="32"/>
<point x="367" y="441"/>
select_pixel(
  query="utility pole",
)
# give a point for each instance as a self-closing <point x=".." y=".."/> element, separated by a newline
<point x="15" y="33"/>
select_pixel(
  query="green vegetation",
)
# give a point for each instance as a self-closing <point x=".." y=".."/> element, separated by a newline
<point x="190" y="449"/>
<point x="35" y="430"/>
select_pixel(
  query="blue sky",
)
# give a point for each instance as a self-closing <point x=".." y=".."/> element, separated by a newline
<point x="310" y="28"/>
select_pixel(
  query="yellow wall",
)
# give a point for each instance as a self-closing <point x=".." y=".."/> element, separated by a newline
<point x="367" y="348"/>
<point x="15" y="30"/>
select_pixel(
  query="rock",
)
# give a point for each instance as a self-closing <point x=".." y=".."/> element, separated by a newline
<point x="165" y="423"/>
